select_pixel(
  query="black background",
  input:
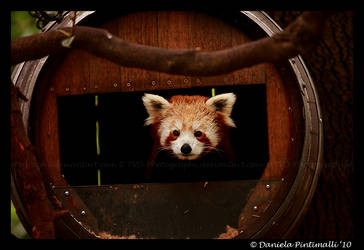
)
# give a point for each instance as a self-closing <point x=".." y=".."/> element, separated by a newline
<point x="125" y="143"/>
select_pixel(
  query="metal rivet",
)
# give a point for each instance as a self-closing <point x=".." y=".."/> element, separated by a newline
<point x="290" y="109"/>
<point x="115" y="85"/>
<point x="84" y="88"/>
<point x="267" y="186"/>
<point x="153" y="82"/>
<point x="255" y="208"/>
<point x="67" y="89"/>
<point x="282" y="179"/>
<point x="83" y="212"/>
<point x="185" y="80"/>
<point x="292" y="139"/>
<point x="66" y="193"/>
<point x="320" y="119"/>
<point x="108" y="35"/>
<point x="169" y="82"/>
<point x="128" y="84"/>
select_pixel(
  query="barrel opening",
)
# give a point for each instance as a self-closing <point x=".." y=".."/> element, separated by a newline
<point x="86" y="120"/>
<point x="103" y="139"/>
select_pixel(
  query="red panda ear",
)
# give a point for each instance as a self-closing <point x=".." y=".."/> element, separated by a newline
<point x="154" y="104"/>
<point x="223" y="103"/>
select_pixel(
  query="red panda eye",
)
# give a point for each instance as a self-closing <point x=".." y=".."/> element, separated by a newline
<point x="175" y="132"/>
<point x="198" y="133"/>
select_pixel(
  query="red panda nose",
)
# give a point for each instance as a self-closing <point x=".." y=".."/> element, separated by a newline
<point x="186" y="149"/>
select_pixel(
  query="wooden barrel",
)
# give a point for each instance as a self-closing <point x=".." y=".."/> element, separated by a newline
<point x="84" y="116"/>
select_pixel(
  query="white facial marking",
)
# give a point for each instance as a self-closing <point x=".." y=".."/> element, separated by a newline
<point x="187" y="137"/>
<point x="178" y="125"/>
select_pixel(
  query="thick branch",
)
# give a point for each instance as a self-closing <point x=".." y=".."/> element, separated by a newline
<point x="303" y="32"/>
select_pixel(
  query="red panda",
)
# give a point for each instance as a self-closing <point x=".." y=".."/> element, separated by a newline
<point x="189" y="126"/>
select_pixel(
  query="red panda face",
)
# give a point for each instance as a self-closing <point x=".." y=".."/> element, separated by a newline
<point x="189" y="126"/>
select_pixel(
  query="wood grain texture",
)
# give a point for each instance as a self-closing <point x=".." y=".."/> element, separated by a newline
<point x="82" y="73"/>
<point x="27" y="177"/>
<point x="164" y="29"/>
<point x="330" y="215"/>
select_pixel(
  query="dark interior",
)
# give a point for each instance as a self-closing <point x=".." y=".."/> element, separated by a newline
<point x="125" y="143"/>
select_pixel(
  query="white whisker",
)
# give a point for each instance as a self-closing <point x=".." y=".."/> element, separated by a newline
<point x="160" y="149"/>
<point x="218" y="150"/>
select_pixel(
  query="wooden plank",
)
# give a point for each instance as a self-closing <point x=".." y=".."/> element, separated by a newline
<point x="72" y="75"/>
<point x="210" y="34"/>
<point x="166" y="29"/>
<point x="141" y="28"/>
<point x="279" y="135"/>
<point x="49" y="139"/>
<point x="174" y="33"/>
<point x="104" y="75"/>
<point x="251" y="75"/>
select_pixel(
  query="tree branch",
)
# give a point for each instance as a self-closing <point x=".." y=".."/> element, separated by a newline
<point x="301" y="34"/>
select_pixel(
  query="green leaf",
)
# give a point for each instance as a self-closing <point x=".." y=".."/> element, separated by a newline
<point x="67" y="42"/>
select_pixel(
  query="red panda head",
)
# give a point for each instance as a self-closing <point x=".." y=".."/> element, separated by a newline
<point x="189" y="126"/>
